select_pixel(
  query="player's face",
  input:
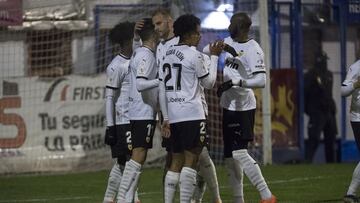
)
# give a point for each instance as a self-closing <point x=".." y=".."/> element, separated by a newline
<point x="162" y="25"/>
<point x="195" y="37"/>
<point x="233" y="28"/>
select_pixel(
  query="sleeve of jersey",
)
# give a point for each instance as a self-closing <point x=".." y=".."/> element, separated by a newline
<point x="347" y="87"/>
<point x="200" y="69"/>
<point x="113" y="78"/>
<point x="144" y="69"/>
<point x="255" y="59"/>
<point x="144" y="65"/>
<point x="109" y="106"/>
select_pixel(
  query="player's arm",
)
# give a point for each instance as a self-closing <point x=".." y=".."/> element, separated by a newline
<point x="113" y="84"/>
<point x="208" y="80"/>
<point x="257" y="81"/>
<point x="143" y="84"/>
<point x="144" y="69"/>
<point x="351" y="82"/>
<point x="165" y="127"/>
<point x="137" y="40"/>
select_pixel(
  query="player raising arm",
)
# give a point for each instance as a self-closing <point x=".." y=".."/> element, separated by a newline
<point x="182" y="72"/>
<point x="143" y="102"/>
<point x="351" y="86"/>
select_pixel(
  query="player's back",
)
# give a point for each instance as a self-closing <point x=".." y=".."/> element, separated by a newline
<point x="142" y="104"/>
<point x="250" y="60"/>
<point x="118" y="78"/>
<point x="182" y="67"/>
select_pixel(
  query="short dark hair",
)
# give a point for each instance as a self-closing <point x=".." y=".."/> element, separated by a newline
<point x="186" y="24"/>
<point x="148" y="30"/>
<point x="122" y="32"/>
<point x="163" y="11"/>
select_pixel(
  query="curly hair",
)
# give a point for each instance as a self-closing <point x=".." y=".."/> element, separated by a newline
<point x="122" y="32"/>
<point x="147" y="30"/>
<point x="186" y="24"/>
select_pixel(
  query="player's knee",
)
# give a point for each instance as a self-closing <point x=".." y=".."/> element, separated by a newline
<point x="139" y="155"/>
<point x="177" y="163"/>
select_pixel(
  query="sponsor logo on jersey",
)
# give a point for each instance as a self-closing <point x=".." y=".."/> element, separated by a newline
<point x="171" y="100"/>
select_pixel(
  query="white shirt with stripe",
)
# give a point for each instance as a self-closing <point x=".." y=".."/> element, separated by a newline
<point x="181" y="71"/>
<point x="143" y="104"/>
<point x="118" y="78"/>
<point x="351" y="77"/>
<point x="250" y="60"/>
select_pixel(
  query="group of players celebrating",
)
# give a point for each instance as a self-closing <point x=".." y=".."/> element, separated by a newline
<point x="159" y="68"/>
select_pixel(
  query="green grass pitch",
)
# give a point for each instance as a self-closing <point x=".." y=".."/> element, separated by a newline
<point x="290" y="183"/>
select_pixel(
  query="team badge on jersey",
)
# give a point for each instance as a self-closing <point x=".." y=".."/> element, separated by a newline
<point x="147" y="139"/>
<point x="142" y="67"/>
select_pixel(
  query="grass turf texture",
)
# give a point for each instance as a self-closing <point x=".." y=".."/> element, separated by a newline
<point x="290" y="183"/>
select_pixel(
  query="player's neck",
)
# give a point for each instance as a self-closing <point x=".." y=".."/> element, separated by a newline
<point x="170" y="35"/>
<point x="241" y="38"/>
<point x="150" y="44"/>
<point x="126" y="51"/>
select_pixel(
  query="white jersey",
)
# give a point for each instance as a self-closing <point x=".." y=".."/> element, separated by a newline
<point x="118" y="78"/>
<point x="162" y="47"/>
<point x="182" y="69"/>
<point x="143" y="104"/>
<point x="250" y="60"/>
<point x="351" y="77"/>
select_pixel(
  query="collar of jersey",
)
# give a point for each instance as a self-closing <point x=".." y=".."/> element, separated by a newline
<point x="123" y="56"/>
<point x="148" y="48"/>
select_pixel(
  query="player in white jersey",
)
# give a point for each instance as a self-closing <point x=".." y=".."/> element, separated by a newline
<point x="242" y="73"/>
<point x="351" y="86"/>
<point x="183" y="70"/>
<point x="118" y="133"/>
<point x="163" y="23"/>
<point x="143" y="102"/>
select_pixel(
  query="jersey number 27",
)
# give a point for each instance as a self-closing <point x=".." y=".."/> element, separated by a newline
<point x="168" y="76"/>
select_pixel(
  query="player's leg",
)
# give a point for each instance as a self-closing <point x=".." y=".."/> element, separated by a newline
<point x="113" y="183"/>
<point x="330" y="132"/>
<point x="120" y="153"/>
<point x="235" y="178"/>
<point x="234" y="171"/>
<point x="142" y="133"/>
<point x="199" y="189"/>
<point x="355" y="181"/>
<point x="243" y="130"/>
<point x="208" y="172"/>
<point x="190" y="134"/>
<point x="177" y="160"/>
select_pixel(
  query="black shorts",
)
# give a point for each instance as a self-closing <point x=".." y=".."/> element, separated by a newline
<point x="166" y="143"/>
<point x="356" y="130"/>
<point x="238" y="130"/>
<point x="142" y="133"/>
<point x="187" y="135"/>
<point x="123" y="144"/>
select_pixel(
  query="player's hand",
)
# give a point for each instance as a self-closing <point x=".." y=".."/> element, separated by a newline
<point x="138" y="26"/>
<point x="165" y="129"/>
<point x="110" y="135"/>
<point x="223" y="87"/>
<point x="357" y="83"/>
<point x="216" y="47"/>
